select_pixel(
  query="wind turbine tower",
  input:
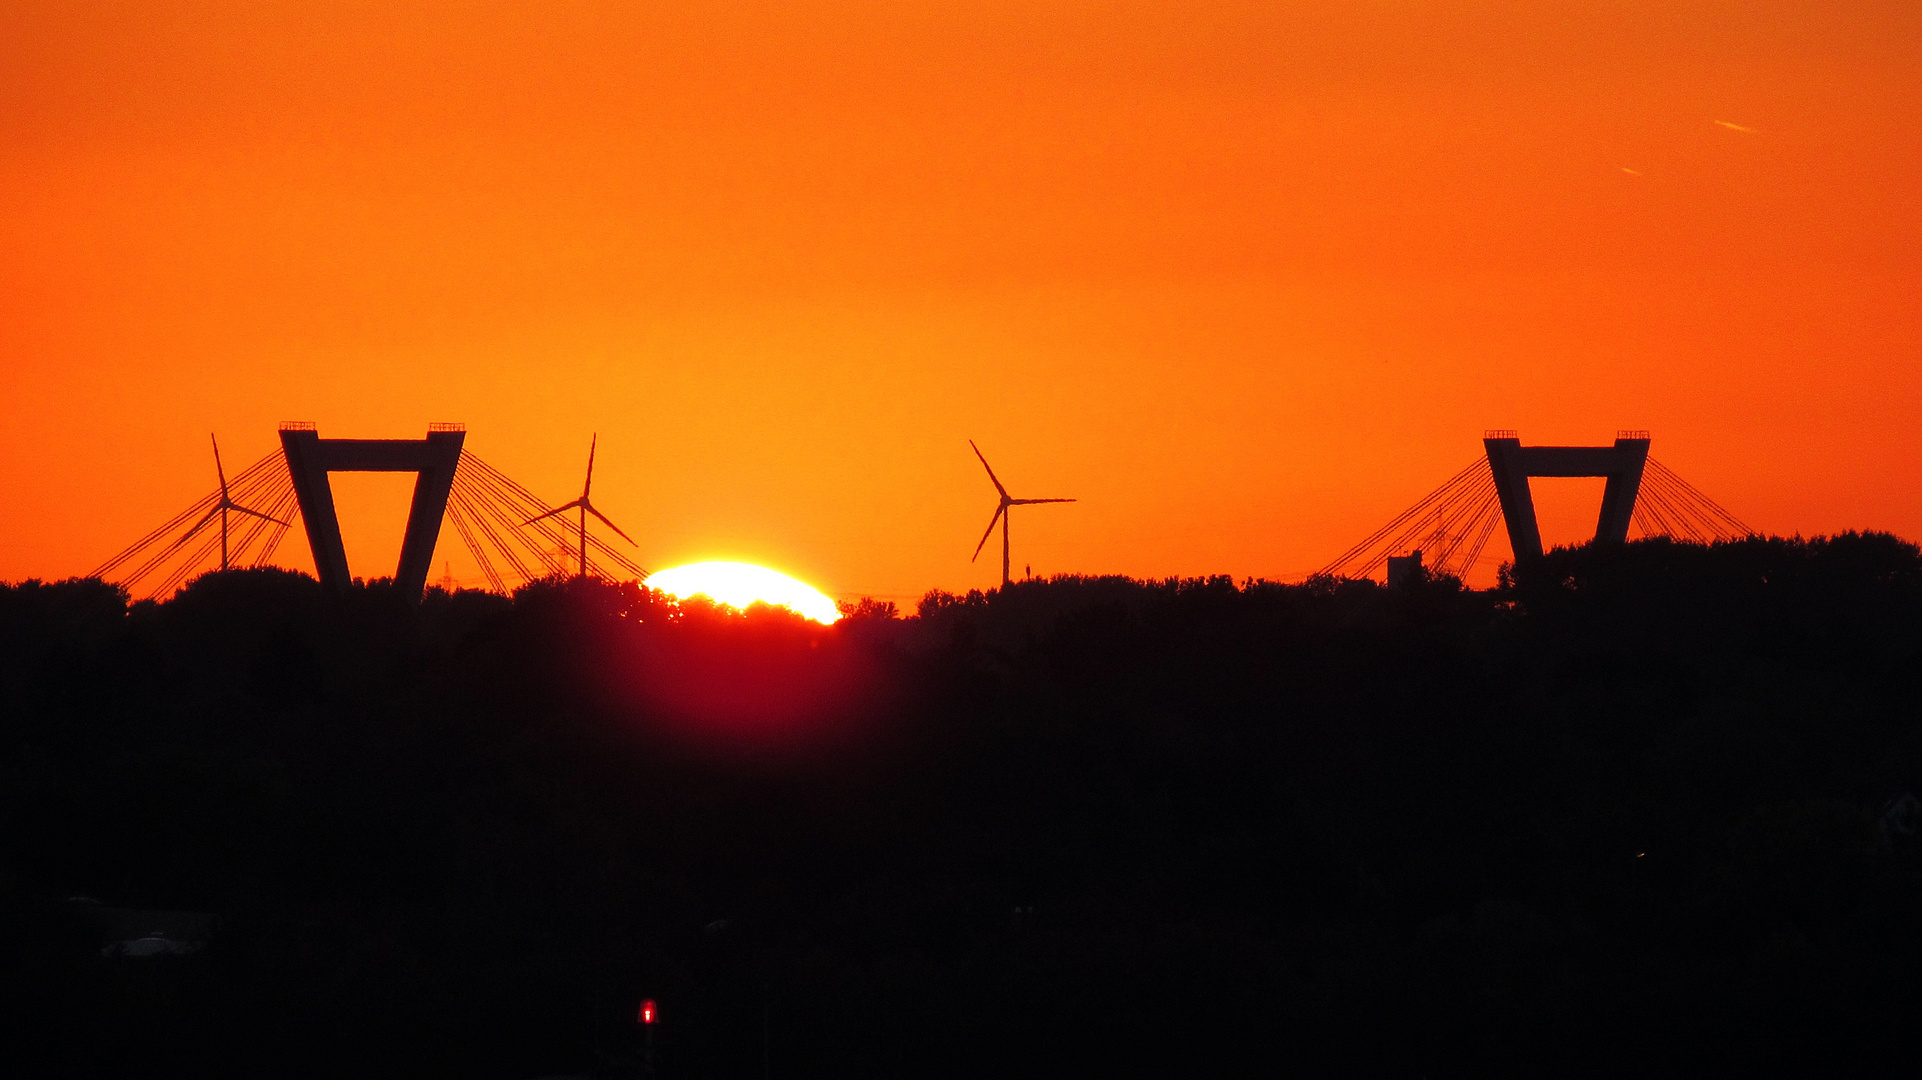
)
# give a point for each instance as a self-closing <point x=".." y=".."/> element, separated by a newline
<point x="221" y="508"/>
<point x="1001" y="515"/>
<point x="585" y="507"/>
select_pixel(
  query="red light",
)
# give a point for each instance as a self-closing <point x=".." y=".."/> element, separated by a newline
<point x="647" y="1011"/>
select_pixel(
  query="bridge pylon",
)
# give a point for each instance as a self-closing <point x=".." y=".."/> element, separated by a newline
<point x="1451" y="524"/>
<point x="434" y="460"/>
<point x="1512" y="464"/>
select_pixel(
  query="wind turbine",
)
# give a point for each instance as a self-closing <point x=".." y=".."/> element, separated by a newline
<point x="1001" y="515"/>
<point x="225" y="504"/>
<point x="585" y="507"/>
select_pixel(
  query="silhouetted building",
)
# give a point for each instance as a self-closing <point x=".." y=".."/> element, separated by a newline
<point x="1404" y="568"/>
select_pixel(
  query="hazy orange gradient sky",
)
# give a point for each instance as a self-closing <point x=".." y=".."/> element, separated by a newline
<point x="1244" y="278"/>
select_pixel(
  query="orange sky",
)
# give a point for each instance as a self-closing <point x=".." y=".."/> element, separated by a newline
<point x="1247" y="279"/>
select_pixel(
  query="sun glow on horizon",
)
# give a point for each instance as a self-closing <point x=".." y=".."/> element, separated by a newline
<point x="739" y="585"/>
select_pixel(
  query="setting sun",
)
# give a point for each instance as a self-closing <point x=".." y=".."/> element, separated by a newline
<point x="741" y="584"/>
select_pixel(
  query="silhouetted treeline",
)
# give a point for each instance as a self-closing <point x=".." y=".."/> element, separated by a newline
<point x="1647" y="808"/>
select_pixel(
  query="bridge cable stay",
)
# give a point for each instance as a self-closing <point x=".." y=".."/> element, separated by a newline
<point x="1459" y="550"/>
<point x="502" y="509"/>
<point x="559" y="552"/>
<point x="252" y="546"/>
<point x="255" y="536"/>
<point x="488" y="509"/>
<point x="1481" y="538"/>
<point x="491" y="513"/>
<point x="1453" y="523"/>
<point x="470" y="510"/>
<point x="265" y="483"/>
<point x="195" y="509"/>
<point x="1671" y="506"/>
<point x="1466" y="476"/>
<point x="457" y="514"/>
<point x="1656" y="514"/>
<point x="1457" y="520"/>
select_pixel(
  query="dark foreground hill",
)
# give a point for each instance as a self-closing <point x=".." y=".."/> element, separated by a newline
<point x="1638" y="809"/>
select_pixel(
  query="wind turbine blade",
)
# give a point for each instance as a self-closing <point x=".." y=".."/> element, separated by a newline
<point x="992" y="522"/>
<point x="990" y="468"/>
<point x="237" y="508"/>
<point x="1029" y="502"/>
<point x="201" y="524"/>
<point x="551" y="513"/>
<point x="611" y="525"/>
<point x="218" y="470"/>
<point x="589" y="486"/>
